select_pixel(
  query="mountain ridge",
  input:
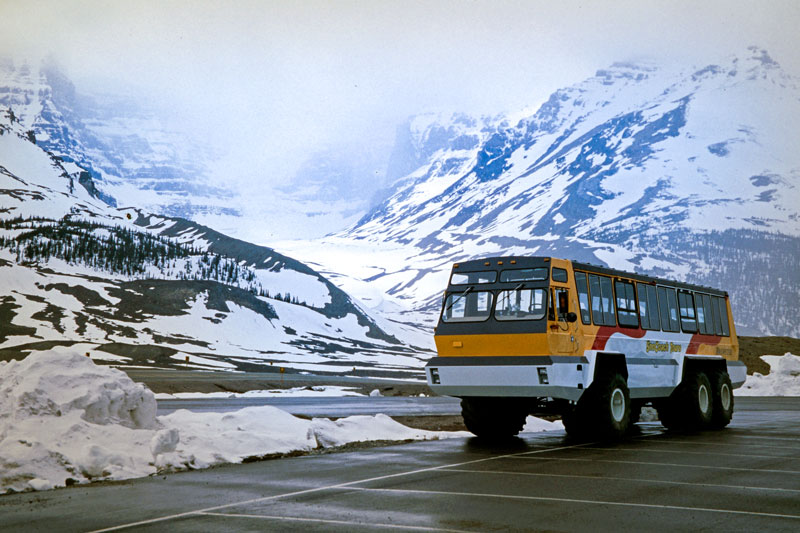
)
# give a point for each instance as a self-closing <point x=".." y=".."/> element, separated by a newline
<point x="637" y="167"/>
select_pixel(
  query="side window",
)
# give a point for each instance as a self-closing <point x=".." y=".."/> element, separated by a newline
<point x="668" y="305"/>
<point x="644" y="319"/>
<point x="597" y="310"/>
<point x="652" y="307"/>
<point x="711" y="315"/>
<point x="688" y="318"/>
<point x="583" y="295"/>
<point x="559" y="274"/>
<point x="602" y="300"/>
<point x="626" y="304"/>
<point x="701" y="314"/>
<point x="607" y="301"/>
<point x="722" y="315"/>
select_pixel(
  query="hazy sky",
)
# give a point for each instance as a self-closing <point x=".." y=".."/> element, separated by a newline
<point x="273" y="78"/>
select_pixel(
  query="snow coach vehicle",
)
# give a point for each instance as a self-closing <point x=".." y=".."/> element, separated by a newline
<point x="541" y="335"/>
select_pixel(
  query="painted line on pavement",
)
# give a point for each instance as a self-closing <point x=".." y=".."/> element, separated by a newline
<point x="370" y="525"/>
<point x="710" y="452"/>
<point x="327" y="487"/>
<point x="763" y="470"/>
<point x="574" y="500"/>
<point x="638" y="480"/>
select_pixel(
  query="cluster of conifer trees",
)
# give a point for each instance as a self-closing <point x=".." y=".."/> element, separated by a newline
<point x="124" y="251"/>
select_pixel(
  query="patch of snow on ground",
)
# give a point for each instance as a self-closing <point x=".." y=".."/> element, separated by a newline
<point x="783" y="378"/>
<point x="64" y="419"/>
<point x="536" y="425"/>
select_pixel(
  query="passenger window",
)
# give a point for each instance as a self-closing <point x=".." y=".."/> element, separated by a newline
<point x="715" y="325"/>
<point x="626" y="304"/>
<point x="594" y="290"/>
<point x="602" y="300"/>
<point x="722" y="315"/>
<point x="648" y="306"/>
<point x="559" y="274"/>
<point x="668" y="305"/>
<point x="643" y="307"/>
<point x="652" y="312"/>
<point x="607" y="301"/>
<point x="688" y="318"/>
<point x="583" y="295"/>
<point x="701" y="314"/>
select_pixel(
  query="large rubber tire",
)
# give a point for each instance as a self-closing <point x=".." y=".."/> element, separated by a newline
<point x="691" y="404"/>
<point x="668" y="413"/>
<point x="604" y="410"/>
<point x="613" y="407"/>
<point x="698" y="400"/>
<point x="493" y="418"/>
<point x="722" y="399"/>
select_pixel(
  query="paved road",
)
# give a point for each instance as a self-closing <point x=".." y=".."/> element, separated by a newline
<point x="285" y="379"/>
<point x="745" y="478"/>
<point x="332" y="407"/>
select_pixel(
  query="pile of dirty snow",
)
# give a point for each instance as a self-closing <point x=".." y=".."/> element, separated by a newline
<point x="783" y="378"/>
<point x="65" y="420"/>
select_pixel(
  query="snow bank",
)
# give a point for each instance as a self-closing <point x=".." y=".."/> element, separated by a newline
<point x="65" y="420"/>
<point x="783" y="378"/>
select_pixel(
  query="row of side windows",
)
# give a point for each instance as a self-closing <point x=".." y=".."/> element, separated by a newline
<point x="659" y="308"/>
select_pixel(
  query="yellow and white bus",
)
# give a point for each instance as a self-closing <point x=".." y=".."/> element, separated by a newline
<point x="536" y="335"/>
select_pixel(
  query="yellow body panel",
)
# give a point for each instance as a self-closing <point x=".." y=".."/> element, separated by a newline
<point x="492" y="344"/>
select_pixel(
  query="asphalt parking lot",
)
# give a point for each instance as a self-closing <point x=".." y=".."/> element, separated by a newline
<point x="744" y="478"/>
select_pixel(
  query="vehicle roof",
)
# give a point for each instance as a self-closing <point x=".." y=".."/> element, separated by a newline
<point x="531" y="262"/>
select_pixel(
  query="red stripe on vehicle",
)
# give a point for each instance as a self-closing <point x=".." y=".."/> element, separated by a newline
<point x="605" y="332"/>
<point x="698" y="339"/>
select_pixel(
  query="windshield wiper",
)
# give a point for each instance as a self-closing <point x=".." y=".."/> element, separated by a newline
<point x="460" y="295"/>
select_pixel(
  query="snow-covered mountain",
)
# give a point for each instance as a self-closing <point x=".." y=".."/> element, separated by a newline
<point x="150" y="290"/>
<point x="131" y="155"/>
<point x="692" y="175"/>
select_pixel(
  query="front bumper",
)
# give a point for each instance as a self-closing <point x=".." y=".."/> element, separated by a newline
<point x="558" y="377"/>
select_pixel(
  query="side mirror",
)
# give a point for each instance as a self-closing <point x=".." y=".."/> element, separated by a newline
<point x="572" y="317"/>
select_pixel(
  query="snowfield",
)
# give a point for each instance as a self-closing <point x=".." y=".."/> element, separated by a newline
<point x="783" y="378"/>
<point x="65" y="420"/>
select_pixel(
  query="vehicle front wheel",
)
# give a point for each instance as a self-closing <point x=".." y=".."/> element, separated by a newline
<point x="604" y="410"/>
<point x="613" y="406"/>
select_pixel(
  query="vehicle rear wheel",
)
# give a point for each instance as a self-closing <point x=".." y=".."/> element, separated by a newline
<point x="691" y="404"/>
<point x="722" y="399"/>
<point x="698" y="399"/>
<point x="493" y="418"/>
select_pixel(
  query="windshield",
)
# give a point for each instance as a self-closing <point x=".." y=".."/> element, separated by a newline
<point x="522" y="304"/>
<point x="467" y="306"/>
